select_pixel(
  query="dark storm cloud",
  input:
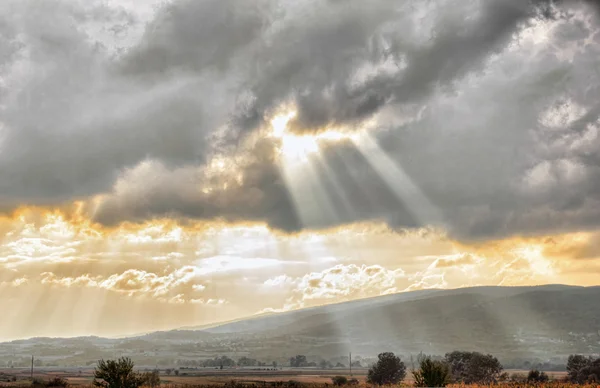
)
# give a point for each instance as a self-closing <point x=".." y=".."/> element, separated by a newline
<point x="318" y="71"/>
<point x="456" y="90"/>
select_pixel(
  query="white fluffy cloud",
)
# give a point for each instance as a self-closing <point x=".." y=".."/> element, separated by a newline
<point x="339" y="283"/>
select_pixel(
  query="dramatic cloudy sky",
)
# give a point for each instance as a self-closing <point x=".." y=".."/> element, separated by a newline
<point x="180" y="162"/>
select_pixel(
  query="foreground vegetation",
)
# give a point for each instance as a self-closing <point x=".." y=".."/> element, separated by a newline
<point x="458" y="368"/>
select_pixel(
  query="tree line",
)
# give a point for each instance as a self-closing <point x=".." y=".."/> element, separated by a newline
<point x="471" y="368"/>
<point x="456" y="367"/>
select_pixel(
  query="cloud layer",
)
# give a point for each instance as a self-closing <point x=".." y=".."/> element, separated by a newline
<point x="481" y="117"/>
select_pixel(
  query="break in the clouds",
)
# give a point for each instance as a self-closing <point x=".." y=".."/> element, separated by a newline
<point x="478" y="116"/>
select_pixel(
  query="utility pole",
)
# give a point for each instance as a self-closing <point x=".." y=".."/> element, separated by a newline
<point x="350" y="364"/>
<point x="31" y="367"/>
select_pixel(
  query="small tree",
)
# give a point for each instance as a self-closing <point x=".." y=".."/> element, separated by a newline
<point x="168" y="371"/>
<point x="431" y="373"/>
<point x="176" y="372"/>
<point x="535" y="376"/>
<point x="389" y="369"/>
<point x="117" y="374"/>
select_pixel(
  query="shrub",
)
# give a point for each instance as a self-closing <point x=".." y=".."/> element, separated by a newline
<point x="432" y="373"/>
<point x="353" y="382"/>
<point x="388" y="369"/>
<point x="535" y="376"/>
<point x="339" y="380"/>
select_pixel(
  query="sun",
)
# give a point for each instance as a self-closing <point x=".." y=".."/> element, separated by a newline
<point x="279" y="123"/>
<point x="301" y="147"/>
<point x="293" y="147"/>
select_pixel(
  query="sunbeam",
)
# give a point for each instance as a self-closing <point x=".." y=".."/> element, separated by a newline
<point x="399" y="182"/>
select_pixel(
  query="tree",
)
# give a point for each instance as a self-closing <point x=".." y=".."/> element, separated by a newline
<point x="388" y="370"/>
<point x="431" y="373"/>
<point x="117" y="374"/>
<point x="168" y="371"/>
<point x="581" y="369"/>
<point x="535" y="376"/>
<point x="298" y="361"/>
<point x="575" y="364"/>
<point x="474" y="367"/>
<point x="176" y="372"/>
<point x="226" y="361"/>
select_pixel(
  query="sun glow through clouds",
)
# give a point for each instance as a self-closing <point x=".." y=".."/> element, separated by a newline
<point x="296" y="147"/>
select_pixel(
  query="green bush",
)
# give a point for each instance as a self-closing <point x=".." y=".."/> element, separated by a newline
<point x="432" y="373"/>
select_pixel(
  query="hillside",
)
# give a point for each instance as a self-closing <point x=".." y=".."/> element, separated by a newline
<point x="511" y="322"/>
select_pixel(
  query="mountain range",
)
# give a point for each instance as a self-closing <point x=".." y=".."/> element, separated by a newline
<point x="542" y="322"/>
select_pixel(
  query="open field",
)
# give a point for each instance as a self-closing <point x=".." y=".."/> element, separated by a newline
<point x="214" y="377"/>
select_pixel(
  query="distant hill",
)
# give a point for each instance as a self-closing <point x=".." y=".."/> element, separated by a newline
<point x="510" y="322"/>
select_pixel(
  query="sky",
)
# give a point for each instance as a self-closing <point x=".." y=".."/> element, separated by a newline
<point x="182" y="162"/>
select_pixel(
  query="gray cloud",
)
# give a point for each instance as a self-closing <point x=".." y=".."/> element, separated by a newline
<point x="457" y="101"/>
<point x="73" y="120"/>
